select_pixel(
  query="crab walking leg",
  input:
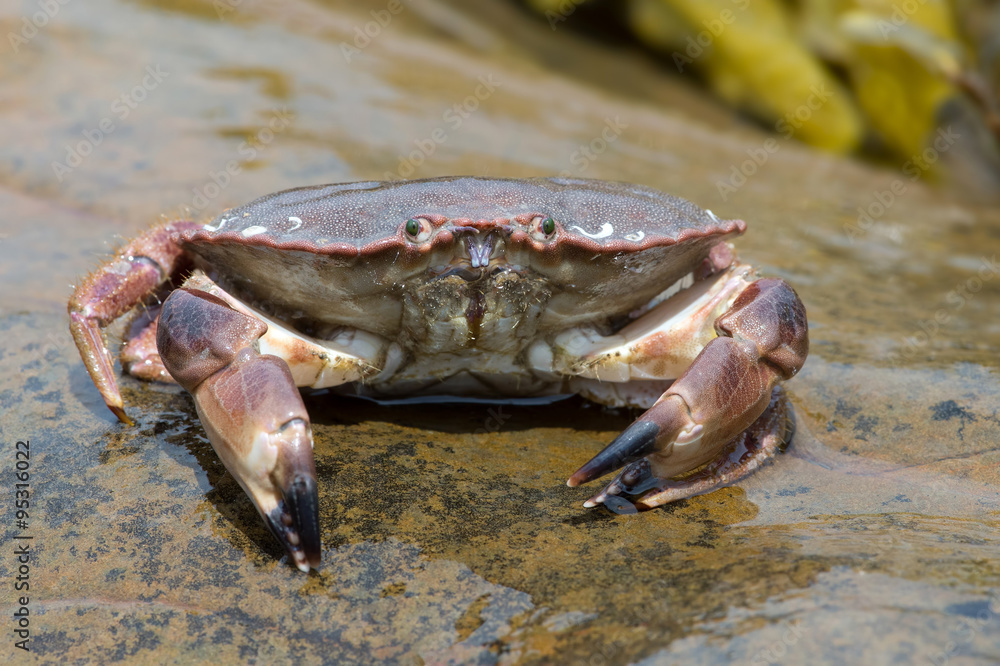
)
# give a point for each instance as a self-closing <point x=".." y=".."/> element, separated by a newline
<point x="763" y="339"/>
<point x="251" y="410"/>
<point x="112" y="290"/>
<point x="139" y="356"/>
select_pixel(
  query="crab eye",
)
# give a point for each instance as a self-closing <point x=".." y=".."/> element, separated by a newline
<point x="418" y="229"/>
<point x="542" y="228"/>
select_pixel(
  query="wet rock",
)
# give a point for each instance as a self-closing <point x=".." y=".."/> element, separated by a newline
<point x="446" y="539"/>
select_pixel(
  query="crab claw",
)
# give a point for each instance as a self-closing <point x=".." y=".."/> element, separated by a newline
<point x="251" y="410"/>
<point x="665" y="428"/>
<point x="273" y="465"/>
<point x="744" y="454"/>
<point x="727" y="397"/>
<point x="664" y="442"/>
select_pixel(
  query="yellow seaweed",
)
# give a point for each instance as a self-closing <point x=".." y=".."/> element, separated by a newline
<point x="901" y="59"/>
<point x="749" y="55"/>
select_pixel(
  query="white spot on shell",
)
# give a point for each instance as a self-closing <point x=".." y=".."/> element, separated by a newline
<point x="297" y="221"/>
<point x="635" y="237"/>
<point x="253" y="231"/>
<point x="606" y="230"/>
<point x="222" y="223"/>
<point x="712" y="215"/>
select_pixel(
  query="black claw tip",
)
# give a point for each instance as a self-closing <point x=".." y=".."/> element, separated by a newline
<point x="295" y="523"/>
<point x="634" y="443"/>
<point x="303" y="503"/>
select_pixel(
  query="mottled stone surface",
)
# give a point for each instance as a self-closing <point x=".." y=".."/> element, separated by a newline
<point x="449" y="533"/>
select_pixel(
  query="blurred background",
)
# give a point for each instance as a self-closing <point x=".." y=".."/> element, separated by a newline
<point x="879" y="78"/>
<point x="858" y="140"/>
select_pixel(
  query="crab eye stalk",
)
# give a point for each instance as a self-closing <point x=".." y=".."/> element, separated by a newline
<point x="543" y="228"/>
<point x="417" y="229"/>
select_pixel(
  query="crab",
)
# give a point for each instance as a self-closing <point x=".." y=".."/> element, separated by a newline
<point x="464" y="287"/>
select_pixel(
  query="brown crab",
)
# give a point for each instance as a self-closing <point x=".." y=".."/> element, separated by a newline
<point x="458" y="286"/>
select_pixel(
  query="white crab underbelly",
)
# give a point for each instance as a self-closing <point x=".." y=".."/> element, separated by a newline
<point x="629" y="368"/>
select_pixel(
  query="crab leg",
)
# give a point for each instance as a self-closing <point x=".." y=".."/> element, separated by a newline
<point x="115" y="288"/>
<point x="139" y="356"/>
<point x="251" y="410"/>
<point x="762" y="340"/>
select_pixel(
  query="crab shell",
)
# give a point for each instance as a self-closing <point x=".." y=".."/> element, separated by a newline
<point x="343" y="255"/>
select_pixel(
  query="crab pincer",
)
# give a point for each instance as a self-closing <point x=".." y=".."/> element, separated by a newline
<point x="251" y="410"/>
<point x="729" y="396"/>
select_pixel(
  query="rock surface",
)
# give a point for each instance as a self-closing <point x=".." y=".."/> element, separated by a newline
<point x="449" y="533"/>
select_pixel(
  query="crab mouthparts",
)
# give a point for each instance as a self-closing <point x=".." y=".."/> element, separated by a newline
<point x="479" y="249"/>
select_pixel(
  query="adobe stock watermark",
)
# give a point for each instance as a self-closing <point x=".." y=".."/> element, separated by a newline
<point x="248" y="151"/>
<point x="586" y="154"/>
<point x="913" y="168"/>
<point x="608" y="652"/>
<point x="495" y="418"/>
<point x="54" y="345"/>
<point x="121" y="108"/>
<point x="364" y="35"/>
<point x="965" y="630"/>
<point x="775" y="653"/>
<point x="713" y="29"/>
<point x="786" y="126"/>
<point x="956" y="299"/>
<point x="35" y="23"/>
<point x="454" y="117"/>
<point x="562" y="12"/>
<point x="224" y="7"/>
<point x="901" y="14"/>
